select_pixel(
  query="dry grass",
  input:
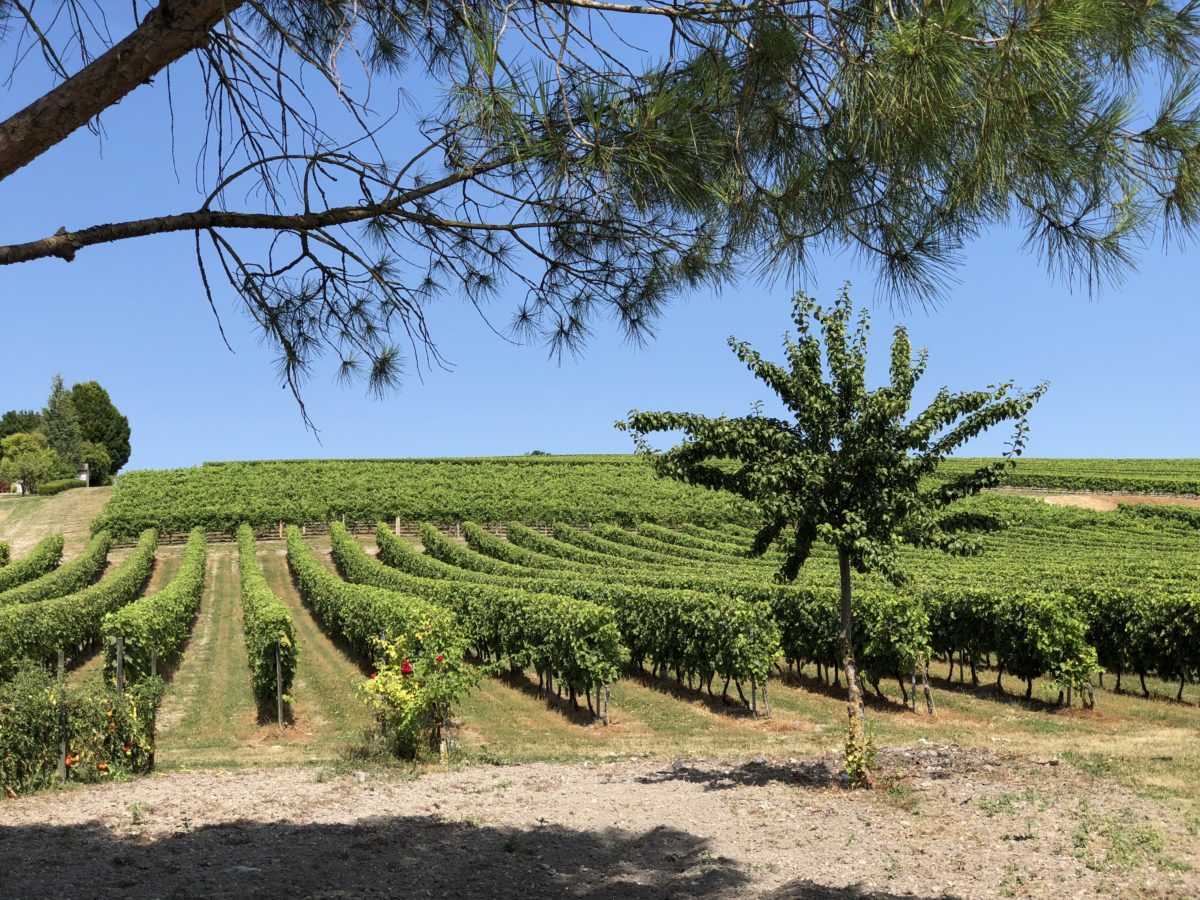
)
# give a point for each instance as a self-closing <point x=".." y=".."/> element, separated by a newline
<point x="26" y="520"/>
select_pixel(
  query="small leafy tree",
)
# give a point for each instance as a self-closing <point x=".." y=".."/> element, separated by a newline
<point x="850" y="467"/>
<point x="28" y="459"/>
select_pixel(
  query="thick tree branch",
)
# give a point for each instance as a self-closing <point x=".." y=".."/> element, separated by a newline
<point x="65" y="244"/>
<point x="170" y="31"/>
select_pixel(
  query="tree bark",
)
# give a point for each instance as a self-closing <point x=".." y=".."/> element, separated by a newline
<point x="169" y="32"/>
<point x="855" y="710"/>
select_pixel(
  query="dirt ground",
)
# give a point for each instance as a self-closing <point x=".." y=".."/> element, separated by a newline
<point x="1102" y="502"/>
<point x="945" y="823"/>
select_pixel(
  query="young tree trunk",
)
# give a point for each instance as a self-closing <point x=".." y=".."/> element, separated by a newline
<point x="1145" y="690"/>
<point x="855" y="711"/>
<point x="925" y="686"/>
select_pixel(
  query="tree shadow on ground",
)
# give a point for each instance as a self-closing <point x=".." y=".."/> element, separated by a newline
<point x="521" y="681"/>
<point x="731" y="706"/>
<point x="401" y="856"/>
<point x="819" y="772"/>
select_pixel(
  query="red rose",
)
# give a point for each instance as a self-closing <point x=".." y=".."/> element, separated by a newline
<point x="406" y="668"/>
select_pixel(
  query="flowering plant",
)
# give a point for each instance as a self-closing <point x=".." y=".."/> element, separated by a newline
<point x="414" y="690"/>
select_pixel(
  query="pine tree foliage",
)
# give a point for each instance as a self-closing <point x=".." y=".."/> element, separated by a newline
<point x="60" y="424"/>
<point x="600" y="158"/>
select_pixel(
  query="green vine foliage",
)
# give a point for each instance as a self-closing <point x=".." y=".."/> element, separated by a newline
<point x="67" y="578"/>
<point x="108" y="734"/>
<point x="363" y="615"/>
<point x="156" y="625"/>
<point x="37" y="631"/>
<point x="42" y="559"/>
<point x="574" y="641"/>
<point x="1044" y="633"/>
<point x="663" y="622"/>
<point x="266" y="622"/>
<point x="5" y="554"/>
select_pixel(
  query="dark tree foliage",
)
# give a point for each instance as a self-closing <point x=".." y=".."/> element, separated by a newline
<point x="849" y="466"/>
<point x="101" y="422"/>
<point x="600" y="157"/>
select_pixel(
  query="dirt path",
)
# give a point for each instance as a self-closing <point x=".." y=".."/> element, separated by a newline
<point x="1101" y="502"/>
<point x="327" y="711"/>
<point x="26" y="520"/>
<point x="952" y="823"/>
<point x="209" y="715"/>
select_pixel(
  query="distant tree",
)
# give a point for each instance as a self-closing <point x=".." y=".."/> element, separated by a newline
<point x="850" y="467"/>
<point x="100" y="421"/>
<point x="99" y="463"/>
<point x="28" y="459"/>
<point x="61" y="426"/>
<point x="19" y="420"/>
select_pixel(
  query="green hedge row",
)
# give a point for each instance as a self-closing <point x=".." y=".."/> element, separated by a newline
<point x="575" y="642"/>
<point x="67" y="578"/>
<point x="267" y="623"/>
<point x="5" y="554"/>
<point x="1143" y="631"/>
<point x="691" y="633"/>
<point x="41" y="559"/>
<point x="1026" y="634"/>
<point x="892" y="635"/>
<point x="107" y="733"/>
<point x="37" y="631"/>
<point x="155" y="626"/>
<point x="361" y="614"/>
<point x="49" y="488"/>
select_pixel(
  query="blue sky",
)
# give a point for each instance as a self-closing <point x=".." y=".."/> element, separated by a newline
<point x="1123" y="366"/>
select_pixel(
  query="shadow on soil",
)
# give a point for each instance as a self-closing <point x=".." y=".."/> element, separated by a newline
<point x="401" y="856"/>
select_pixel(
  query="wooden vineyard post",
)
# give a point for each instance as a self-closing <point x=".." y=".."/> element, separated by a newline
<point x="153" y="663"/>
<point x="913" y="684"/>
<point x="397" y="526"/>
<point x="766" y="702"/>
<point x="62" y="720"/>
<point x="279" y="681"/>
<point x="607" y="701"/>
<point x="754" y="697"/>
<point x="120" y="664"/>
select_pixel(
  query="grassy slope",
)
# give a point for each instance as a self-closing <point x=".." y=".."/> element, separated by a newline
<point x="26" y="520"/>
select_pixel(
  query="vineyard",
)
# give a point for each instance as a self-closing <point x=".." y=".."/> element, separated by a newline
<point x="1070" y="631"/>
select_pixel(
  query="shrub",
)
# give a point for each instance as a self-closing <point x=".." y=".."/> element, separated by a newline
<point x="108" y="734"/>
<point x="5" y="554"/>
<point x="414" y="692"/>
<point x="49" y="488"/>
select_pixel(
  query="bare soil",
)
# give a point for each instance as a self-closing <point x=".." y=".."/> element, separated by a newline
<point x="1103" y="502"/>
<point x="945" y="822"/>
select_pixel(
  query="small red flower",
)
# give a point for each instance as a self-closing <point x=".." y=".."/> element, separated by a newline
<point x="70" y="760"/>
<point x="103" y="767"/>
<point x="373" y="674"/>
<point x="441" y="658"/>
<point x="406" y="668"/>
